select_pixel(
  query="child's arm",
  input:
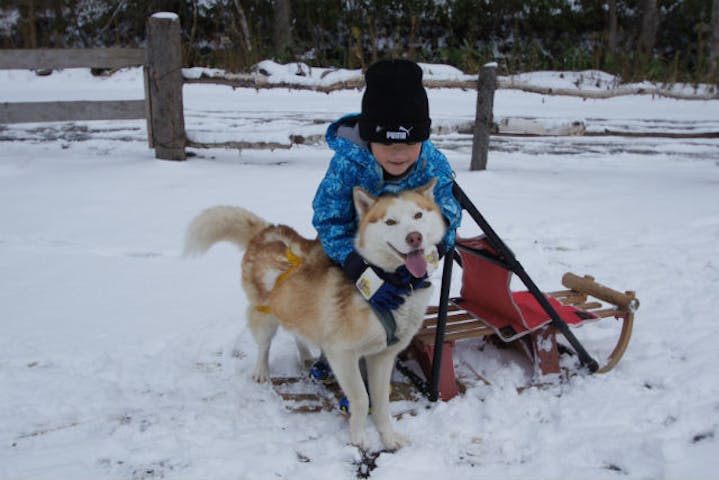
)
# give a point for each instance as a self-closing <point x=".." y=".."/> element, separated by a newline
<point x="334" y="213"/>
<point x="336" y="224"/>
<point x="448" y="205"/>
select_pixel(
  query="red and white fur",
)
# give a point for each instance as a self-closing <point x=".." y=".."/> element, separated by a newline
<point x="313" y="299"/>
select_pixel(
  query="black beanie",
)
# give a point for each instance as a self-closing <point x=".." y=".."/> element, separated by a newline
<point x="394" y="105"/>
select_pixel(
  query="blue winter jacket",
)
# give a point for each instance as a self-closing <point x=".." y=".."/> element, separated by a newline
<point x="335" y="218"/>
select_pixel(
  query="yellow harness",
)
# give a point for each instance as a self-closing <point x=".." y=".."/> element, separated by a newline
<point x="295" y="263"/>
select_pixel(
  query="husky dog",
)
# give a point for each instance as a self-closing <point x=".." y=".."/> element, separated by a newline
<point x="290" y="281"/>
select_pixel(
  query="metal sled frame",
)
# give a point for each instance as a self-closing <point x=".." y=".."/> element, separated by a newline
<point x="449" y="321"/>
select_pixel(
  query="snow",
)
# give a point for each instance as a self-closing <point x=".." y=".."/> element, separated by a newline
<point x="122" y="359"/>
<point x="166" y="15"/>
<point x="588" y="80"/>
<point x="8" y="19"/>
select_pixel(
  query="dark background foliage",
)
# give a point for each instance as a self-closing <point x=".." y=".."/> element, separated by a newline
<point x="664" y="40"/>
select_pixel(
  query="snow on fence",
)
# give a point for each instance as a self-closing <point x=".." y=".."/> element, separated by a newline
<point x="267" y="75"/>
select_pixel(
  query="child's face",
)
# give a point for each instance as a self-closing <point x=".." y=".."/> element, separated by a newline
<point x="396" y="158"/>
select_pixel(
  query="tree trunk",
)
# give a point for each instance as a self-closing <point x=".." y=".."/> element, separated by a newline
<point x="714" y="46"/>
<point x="31" y="35"/>
<point x="244" y="29"/>
<point x="412" y="44"/>
<point x="612" y="39"/>
<point x="282" y="26"/>
<point x="190" y="49"/>
<point x="649" y="25"/>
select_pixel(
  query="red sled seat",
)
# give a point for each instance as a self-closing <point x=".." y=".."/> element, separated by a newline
<point x="486" y="294"/>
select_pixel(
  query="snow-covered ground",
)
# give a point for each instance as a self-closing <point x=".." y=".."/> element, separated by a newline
<point x="121" y="359"/>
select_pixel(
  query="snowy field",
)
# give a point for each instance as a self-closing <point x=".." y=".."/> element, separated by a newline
<point x="122" y="360"/>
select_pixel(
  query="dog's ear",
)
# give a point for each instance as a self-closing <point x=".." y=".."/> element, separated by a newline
<point x="363" y="200"/>
<point x="427" y="190"/>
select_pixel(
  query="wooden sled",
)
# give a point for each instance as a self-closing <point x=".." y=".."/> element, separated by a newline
<point x="529" y="319"/>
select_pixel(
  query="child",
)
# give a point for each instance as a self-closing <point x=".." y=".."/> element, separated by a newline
<point x="383" y="149"/>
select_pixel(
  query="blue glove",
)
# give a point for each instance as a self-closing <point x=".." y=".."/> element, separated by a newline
<point x="382" y="290"/>
<point x="404" y="277"/>
<point x="387" y="297"/>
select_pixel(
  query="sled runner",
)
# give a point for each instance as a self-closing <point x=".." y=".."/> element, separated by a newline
<point x="529" y="319"/>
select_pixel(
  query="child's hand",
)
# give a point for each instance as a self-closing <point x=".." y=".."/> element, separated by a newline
<point x="406" y="278"/>
<point x="381" y="289"/>
<point x="387" y="297"/>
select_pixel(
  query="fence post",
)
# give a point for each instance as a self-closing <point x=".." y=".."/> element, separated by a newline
<point x="486" y="85"/>
<point x="166" y="119"/>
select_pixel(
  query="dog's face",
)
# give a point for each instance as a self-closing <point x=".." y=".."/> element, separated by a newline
<point x="397" y="230"/>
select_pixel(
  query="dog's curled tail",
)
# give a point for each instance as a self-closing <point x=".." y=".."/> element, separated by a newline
<point x="222" y="223"/>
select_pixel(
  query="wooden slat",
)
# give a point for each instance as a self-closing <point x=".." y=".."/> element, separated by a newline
<point x="483" y="332"/>
<point x="454" y="324"/>
<point x="456" y="331"/>
<point x="22" y="112"/>
<point x="451" y="327"/>
<point x="609" y="312"/>
<point x="569" y="297"/>
<point x="463" y="327"/>
<point x="433" y="309"/>
<point x="56" y="58"/>
<point x="451" y="318"/>
<point x="587" y="305"/>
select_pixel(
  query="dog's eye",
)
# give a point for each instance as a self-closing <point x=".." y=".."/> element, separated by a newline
<point x="390" y="222"/>
<point x="418" y="215"/>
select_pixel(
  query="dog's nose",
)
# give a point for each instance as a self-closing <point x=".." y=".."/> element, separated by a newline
<point x="414" y="239"/>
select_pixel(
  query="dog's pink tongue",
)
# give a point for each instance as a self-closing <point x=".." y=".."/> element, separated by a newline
<point x="416" y="263"/>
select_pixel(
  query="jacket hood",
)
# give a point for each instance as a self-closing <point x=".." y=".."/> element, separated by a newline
<point x="343" y="136"/>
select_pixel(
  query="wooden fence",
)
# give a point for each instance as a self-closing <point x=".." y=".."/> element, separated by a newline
<point x="161" y="107"/>
<point x="163" y="104"/>
<point x="18" y="112"/>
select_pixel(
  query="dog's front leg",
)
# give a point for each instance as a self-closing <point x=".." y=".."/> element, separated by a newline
<point x="345" y="366"/>
<point x="379" y="372"/>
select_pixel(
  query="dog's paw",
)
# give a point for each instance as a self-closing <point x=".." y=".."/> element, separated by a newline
<point x="359" y="440"/>
<point x="260" y="378"/>
<point x="261" y="375"/>
<point x="394" y="441"/>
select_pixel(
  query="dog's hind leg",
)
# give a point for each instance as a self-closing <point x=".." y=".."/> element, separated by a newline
<point x="306" y="357"/>
<point x="347" y="372"/>
<point x="263" y="327"/>
<point x="379" y="372"/>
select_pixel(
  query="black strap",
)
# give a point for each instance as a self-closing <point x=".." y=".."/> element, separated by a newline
<point x="386" y="319"/>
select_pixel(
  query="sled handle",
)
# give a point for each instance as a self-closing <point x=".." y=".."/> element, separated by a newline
<point x="586" y="284"/>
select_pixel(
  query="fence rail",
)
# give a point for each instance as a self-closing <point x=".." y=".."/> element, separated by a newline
<point x="23" y="112"/>
<point x="259" y="81"/>
<point x="71" y="58"/>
